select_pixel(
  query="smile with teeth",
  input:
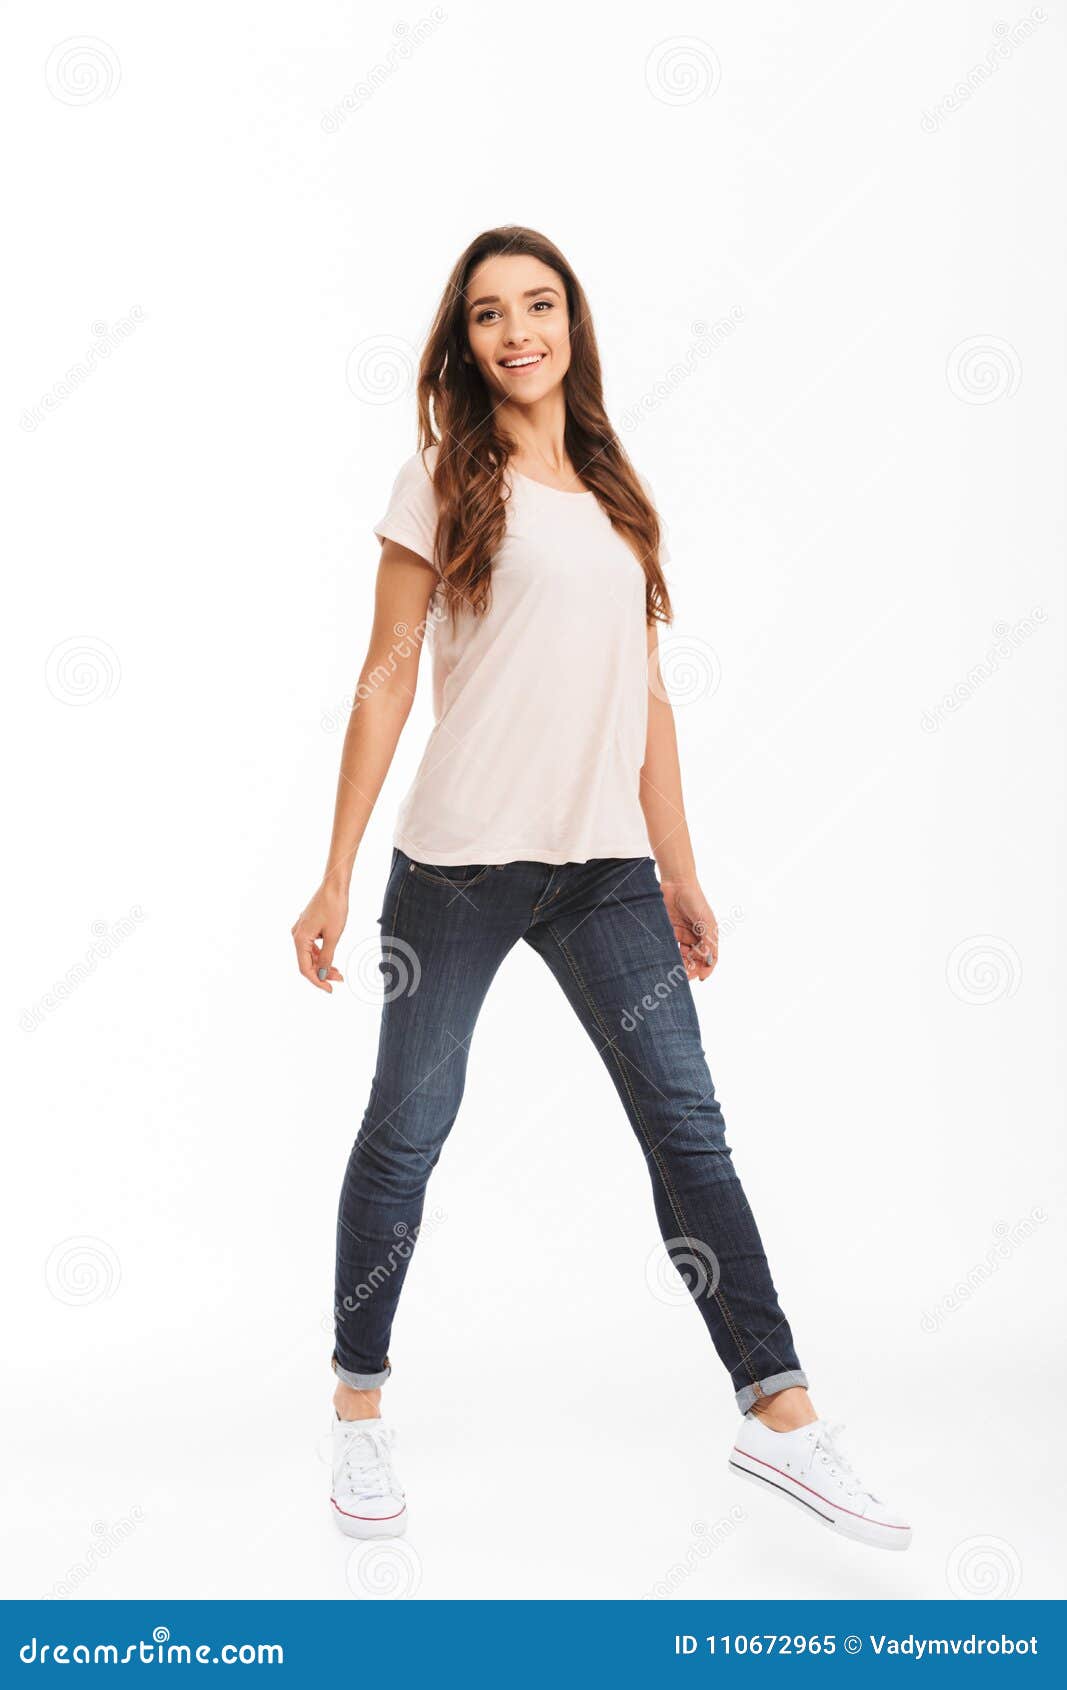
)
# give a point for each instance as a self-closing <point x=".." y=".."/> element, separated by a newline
<point x="527" y="361"/>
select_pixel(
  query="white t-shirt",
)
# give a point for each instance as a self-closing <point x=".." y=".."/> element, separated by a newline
<point x="541" y="704"/>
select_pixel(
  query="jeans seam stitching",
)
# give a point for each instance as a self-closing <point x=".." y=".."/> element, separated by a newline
<point x="672" y="1196"/>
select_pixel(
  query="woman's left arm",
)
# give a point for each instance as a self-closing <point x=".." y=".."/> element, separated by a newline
<point x="691" y="915"/>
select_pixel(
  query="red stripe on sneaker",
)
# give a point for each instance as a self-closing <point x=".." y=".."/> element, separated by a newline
<point x="828" y="1501"/>
<point x="349" y="1516"/>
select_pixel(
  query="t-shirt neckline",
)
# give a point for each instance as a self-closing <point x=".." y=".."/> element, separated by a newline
<point x="561" y="491"/>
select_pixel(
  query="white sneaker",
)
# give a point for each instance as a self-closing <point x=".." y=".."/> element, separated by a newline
<point x="366" y="1497"/>
<point x="807" y="1466"/>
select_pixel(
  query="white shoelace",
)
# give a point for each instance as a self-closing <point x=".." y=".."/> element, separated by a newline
<point x="365" y="1460"/>
<point x="826" y="1443"/>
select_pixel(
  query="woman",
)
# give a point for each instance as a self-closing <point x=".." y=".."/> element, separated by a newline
<point x="522" y="540"/>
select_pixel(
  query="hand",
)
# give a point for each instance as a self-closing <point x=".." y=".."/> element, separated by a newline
<point x="695" y="927"/>
<point x="316" y="934"/>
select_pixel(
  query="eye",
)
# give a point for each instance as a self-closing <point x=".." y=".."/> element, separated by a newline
<point x="547" y="303"/>
<point x="482" y="315"/>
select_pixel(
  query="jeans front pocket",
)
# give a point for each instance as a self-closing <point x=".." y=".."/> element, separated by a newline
<point x="459" y="876"/>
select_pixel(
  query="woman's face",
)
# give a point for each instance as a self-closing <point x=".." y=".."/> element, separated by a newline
<point x="517" y="327"/>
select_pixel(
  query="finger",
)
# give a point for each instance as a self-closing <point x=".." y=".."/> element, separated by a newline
<point x="706" y="940"/>
<point x="324" y="968"/>
<point x="307" y="956"/>
<point x="695" y="965"/>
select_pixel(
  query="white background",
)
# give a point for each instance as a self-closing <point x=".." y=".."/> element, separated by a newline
<point x="859" y="485"/>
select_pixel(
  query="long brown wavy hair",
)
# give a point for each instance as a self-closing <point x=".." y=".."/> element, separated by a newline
<point x="456" y="414"/>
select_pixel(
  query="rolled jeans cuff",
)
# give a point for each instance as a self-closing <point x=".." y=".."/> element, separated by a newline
<point x="776" y="1382"/>
<point x="361" y="1381"/>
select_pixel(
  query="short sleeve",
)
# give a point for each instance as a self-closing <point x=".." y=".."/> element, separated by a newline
<point x="664" y="554"/>
<point x="411" y="519"/>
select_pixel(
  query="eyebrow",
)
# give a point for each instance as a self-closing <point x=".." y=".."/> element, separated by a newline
<point x="494" y="298"/>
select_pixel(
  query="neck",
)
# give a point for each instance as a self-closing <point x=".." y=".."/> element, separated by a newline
<point x="535" y="432"/>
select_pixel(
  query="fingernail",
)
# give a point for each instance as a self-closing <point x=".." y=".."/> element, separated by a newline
<point x="323" y="973"/>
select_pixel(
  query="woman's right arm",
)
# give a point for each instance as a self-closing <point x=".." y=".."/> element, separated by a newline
<point x="384" y="697"/>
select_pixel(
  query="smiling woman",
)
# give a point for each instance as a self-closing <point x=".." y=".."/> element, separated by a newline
<point x="526" y="543"/>
<point x="511" y="376"/>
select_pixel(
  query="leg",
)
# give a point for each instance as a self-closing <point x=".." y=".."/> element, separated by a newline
<point x="445" y="933"/>
<point x="608" y="940"/>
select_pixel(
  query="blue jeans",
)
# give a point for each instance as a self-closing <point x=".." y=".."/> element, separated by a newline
<point x="604" y="931"/>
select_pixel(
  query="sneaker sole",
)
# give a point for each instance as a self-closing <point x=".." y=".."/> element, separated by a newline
<point x="871" y="1532"/>
<point x="356" y="1525"/>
